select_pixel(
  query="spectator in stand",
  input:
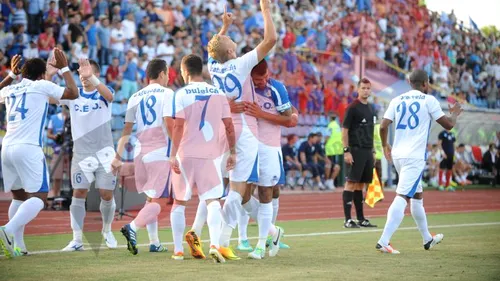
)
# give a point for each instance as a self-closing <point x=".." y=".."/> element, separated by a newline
<point x="291" y="162"/>
<point x="46" y="42"/>
<point x="117" y="41"/>
<point x="19" y="16"/>
<point x="113" y="77"/>
<point x="491" y="162"/>
<point x="130" y="76"/>
<point x="31" y="51"/>
<point x="104" y="39"/>
<point x="307" y="151"/>
<point x="92" y="37"/>
<point x="166" y="51"/>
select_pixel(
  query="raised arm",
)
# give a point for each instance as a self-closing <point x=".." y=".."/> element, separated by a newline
<point x="14" y="66"/>
<point x="86" y="70"/>
<point x="448" y="122"/>
<point x="60" y="62"/>
<point x="270" y="36"/>
<point x="227" y="20"/>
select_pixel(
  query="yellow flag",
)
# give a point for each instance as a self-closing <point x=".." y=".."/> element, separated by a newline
<point x="374" y="192"/>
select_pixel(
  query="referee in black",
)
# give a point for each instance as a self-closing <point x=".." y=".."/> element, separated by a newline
<point x="357" y="138"/>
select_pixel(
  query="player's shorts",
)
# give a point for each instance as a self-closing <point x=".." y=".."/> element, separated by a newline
<point x="204" y="174"/>
<point x="24" y="167"/>
<point x="361" y="171"/>
<point x="63" y="166"/>
<point x="153" y="174"/>
<point x="410" y="174"/>
<point x="89" y="167"/>
<point x="247" y="159"/>
<point x="223" y="163"/>
<point x="271" y="170"/>
<point x="447" y="163"/>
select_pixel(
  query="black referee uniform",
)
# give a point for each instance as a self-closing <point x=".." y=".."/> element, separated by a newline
<point x="359" y="121"/>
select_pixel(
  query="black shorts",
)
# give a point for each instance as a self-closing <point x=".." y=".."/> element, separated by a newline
<point x="447" y="163"/>
<point x="361" y="171"/>
<point x="311" y="167"/>
<point x="289" y="166"/>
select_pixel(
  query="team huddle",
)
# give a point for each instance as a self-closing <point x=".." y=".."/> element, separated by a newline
<point x="199" y="139"/>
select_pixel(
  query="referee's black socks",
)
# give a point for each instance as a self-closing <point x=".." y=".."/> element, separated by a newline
<point x="347" y="197"/>
<point x="358" y="203"/>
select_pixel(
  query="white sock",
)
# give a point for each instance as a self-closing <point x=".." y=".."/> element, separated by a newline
<point x="77" y="216"/>
<point x="418" y="213"/>
<point x="252" y="207"/>
<point x="26" y="212"/>
<point x="230" y="213"/>
<point x="107" y="209"/>
<point x="395" y="216"/>
<point x="133" y="226"/>
<point x="153" y="233"/>
<point x="276" y="206"/>
<point x="19" y="233"/>
<point x="264" y="220"/>
<point x="214" y="221"/>
<point x="464" y="178"/>
<point x="178" y="222"/>
<point x="242" y="227"/>
<point x="201" y="218"/>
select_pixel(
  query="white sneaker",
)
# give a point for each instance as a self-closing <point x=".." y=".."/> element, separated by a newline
<point x="73" y="246"/>
<point x="110" y="240"/>
<point x="6" y="243"/>
<point x="300" y="181"/>
<point x="386" y="249"/>
<point x="321" y="186"/>
<point x="436" y="239"/>
<point x="274" y="247"/>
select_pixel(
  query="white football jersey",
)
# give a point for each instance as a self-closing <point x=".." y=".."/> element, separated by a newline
<point x="90" y="121"/>
<point x="233" y="79"/>
<point x="412" y="113"/>
<point x="27" y="103"/>
<point x="147" y="108"/>
<point x="203" y="107"/>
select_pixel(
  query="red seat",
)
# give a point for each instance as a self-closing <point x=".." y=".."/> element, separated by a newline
<point x="477" y="154"/>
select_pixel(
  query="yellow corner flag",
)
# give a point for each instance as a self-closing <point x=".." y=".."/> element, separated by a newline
<point x="374" y="192"/>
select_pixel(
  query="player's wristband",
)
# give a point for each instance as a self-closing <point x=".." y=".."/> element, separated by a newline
<point x="94" y="80"/>
<point x="64" y="69"/>
<point x="12" y="75"/>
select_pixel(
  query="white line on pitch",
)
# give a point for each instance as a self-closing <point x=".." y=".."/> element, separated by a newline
<point x="298" y="235"/>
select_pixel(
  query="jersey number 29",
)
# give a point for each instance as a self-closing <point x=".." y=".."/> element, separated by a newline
<point x="412" y="121"/>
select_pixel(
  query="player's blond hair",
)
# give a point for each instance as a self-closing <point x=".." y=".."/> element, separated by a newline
<point x="214" y="48"/>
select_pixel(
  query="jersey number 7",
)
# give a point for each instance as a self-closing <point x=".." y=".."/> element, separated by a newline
<point x="204" y="111"/>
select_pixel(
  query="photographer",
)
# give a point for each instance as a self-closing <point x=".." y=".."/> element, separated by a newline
<point x="56" y="131"/>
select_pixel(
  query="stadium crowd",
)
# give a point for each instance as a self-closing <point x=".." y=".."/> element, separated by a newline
<point x="317" y="41"/>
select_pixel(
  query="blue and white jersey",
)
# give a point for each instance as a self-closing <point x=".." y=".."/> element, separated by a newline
<point x="412" y="113"/>
<point x="90" y="122"/>
<point x="234" y="80"/>
<point x="274" y="100"/>
<point x="147" y="108"/>
<point x="27" y="103"/>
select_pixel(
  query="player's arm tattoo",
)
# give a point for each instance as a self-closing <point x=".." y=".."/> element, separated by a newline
<point x="230" y="134"/>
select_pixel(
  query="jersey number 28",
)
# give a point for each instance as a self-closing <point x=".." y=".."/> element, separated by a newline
<point x="412" y="121"/>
